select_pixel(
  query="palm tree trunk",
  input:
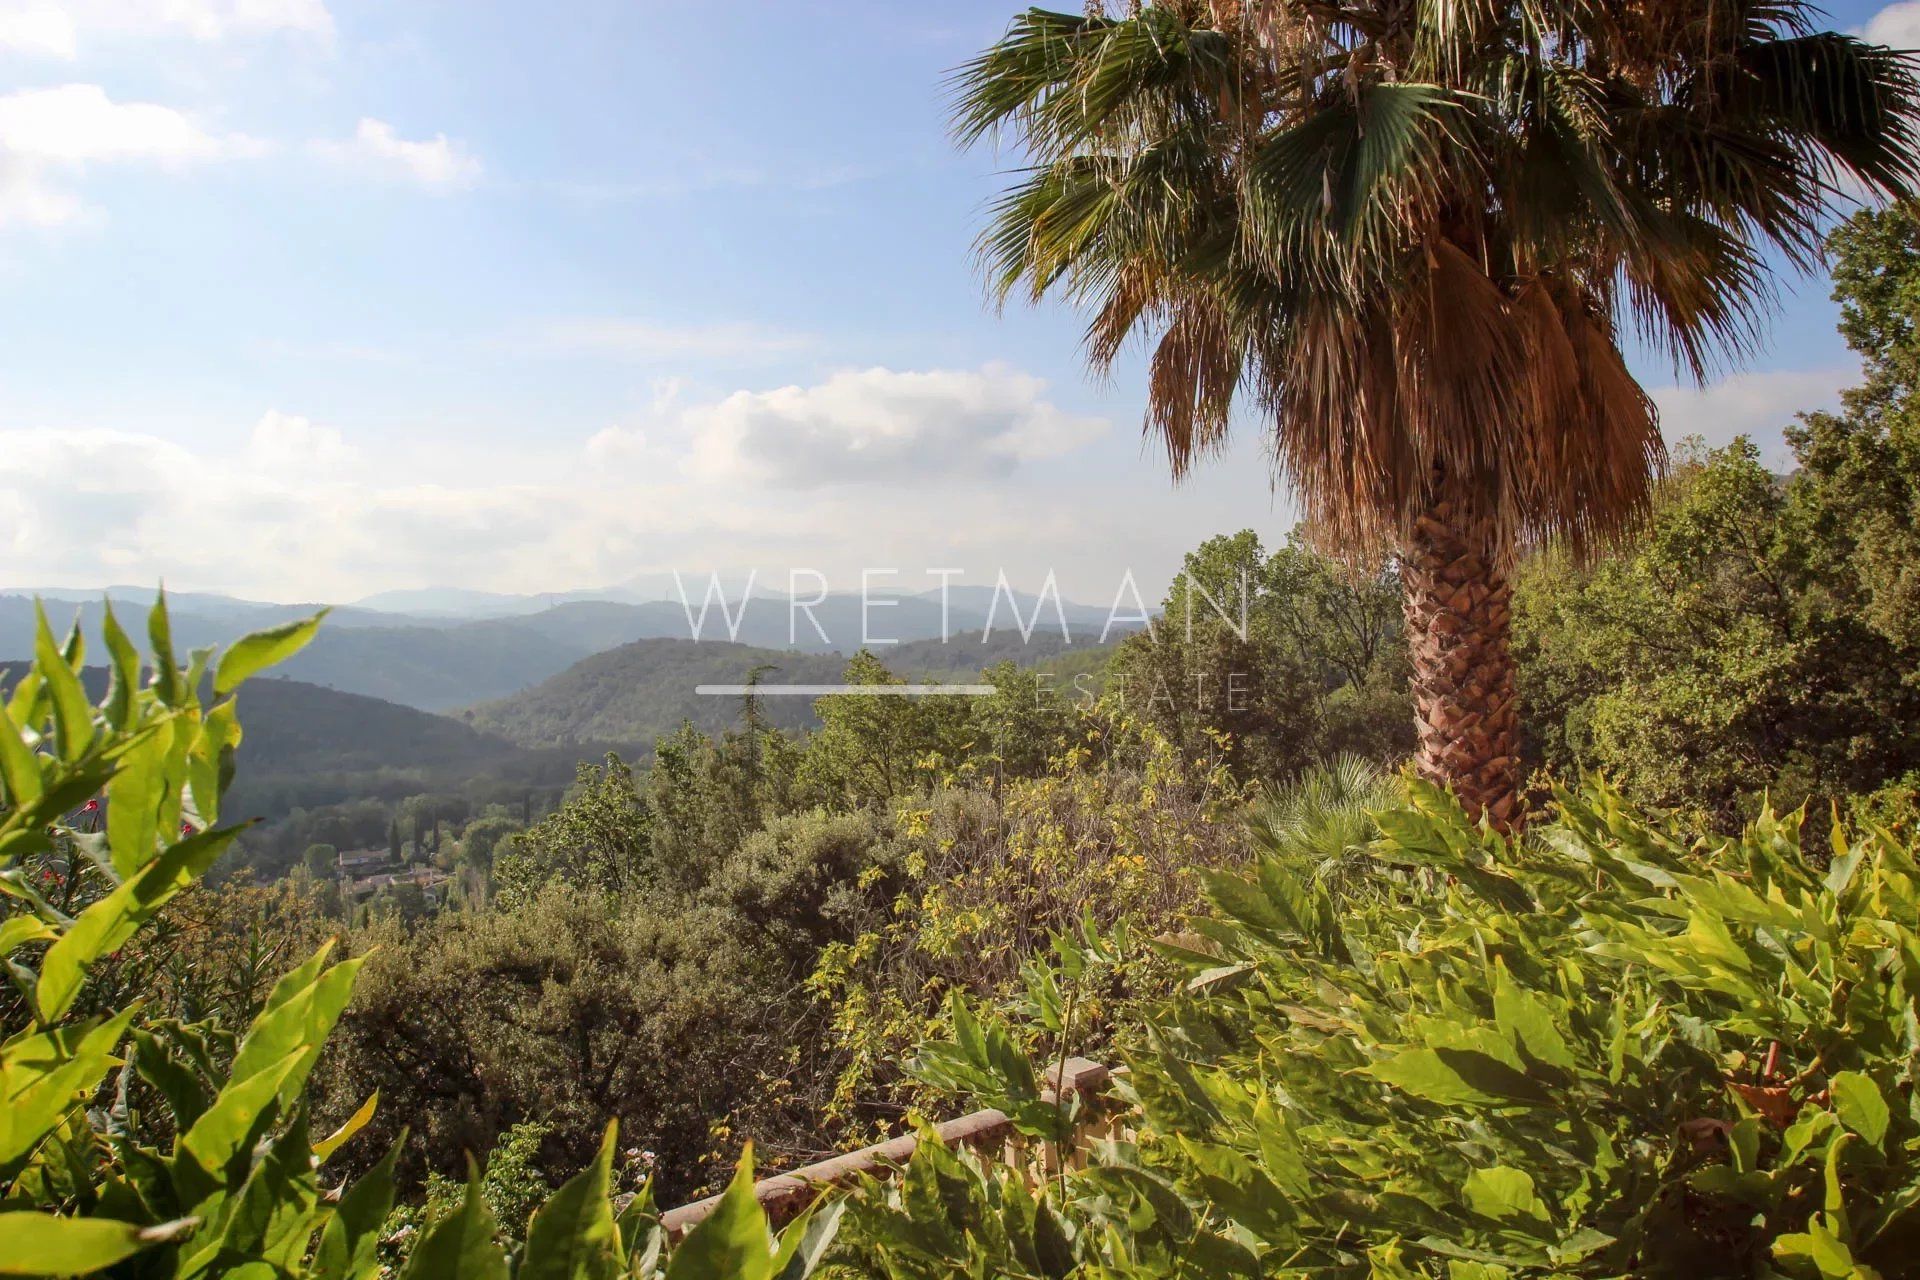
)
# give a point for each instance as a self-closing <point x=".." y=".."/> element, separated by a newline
<point x="1458" y="609"/>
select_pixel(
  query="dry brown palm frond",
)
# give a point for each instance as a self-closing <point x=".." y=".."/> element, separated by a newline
<point x="1138" y="286"/>
<point x="1191" y="380"/>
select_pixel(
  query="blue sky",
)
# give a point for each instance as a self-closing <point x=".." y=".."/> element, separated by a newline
<point x="313" y="298"/>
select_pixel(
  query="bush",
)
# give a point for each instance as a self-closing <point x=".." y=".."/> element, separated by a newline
<point x="1118" y="832"/>
<point x="1608" y="1048"/>
<point x="570" y="1010"/>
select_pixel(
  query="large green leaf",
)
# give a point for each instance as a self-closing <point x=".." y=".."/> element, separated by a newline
<point x="41" y="1244"/>
<point x="167" y="682"/>
<point x="135" y="796"/>
<point x="45" y="1075"/>
<point x="731" y="1242"/>
<point x="72" y="713"/>
<point x="804" y="1243"/>
<point x="124" y="674"/>
<point x="297" y="1020"/>
<point x="254" y="653"/>
<point x="1502" y="1192"/>
<point x="1527" y="1021"/>
<point x="349" y="1244"/>
<point x="572" y="1236"/>
<point x="156" y="1063"/>
<point x="272" y="1217"/>
<point x="108" y="923"/>
<point x="21" y="930"/>
<point x="227" y="1129"/>
<point x="460" y="1246"/>
<point x="18" y="768"/>
<point x="1861" y="1106"/>
<point x="1458" y="1076"/>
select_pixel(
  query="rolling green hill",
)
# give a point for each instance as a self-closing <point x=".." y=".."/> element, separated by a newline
<point x="642" y="691"/>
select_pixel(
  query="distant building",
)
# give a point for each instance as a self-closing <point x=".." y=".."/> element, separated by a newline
<point x="361" y="861"/>
<point x="431" y="880"/>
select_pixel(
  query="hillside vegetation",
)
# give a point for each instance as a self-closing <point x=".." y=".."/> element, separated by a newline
<point x="645" y="690"/>
<point x="309" y="745"/>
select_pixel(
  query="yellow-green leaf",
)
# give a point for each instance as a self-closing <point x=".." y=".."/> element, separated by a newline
<point x="166" y="673"/>
<point x="124" y="679"/>
<point x="41" y="1244"/>
<point x="19" y="770"/>
<point x="1503" y="1192"/>
<point x="354" y="1124"/>
<point x="256" y="652"/>
<point x="1858" y="1102"/>
<point x="72" y="713"/>
<point x="731" y="1241"/>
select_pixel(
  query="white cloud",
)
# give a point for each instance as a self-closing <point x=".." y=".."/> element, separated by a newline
<point x="299" y="510"/>
<point x="28" y="198"/>
<point x="39" y="29"/>
<point x="628" y="446"/>
<point x="47" y="135"/>
<point x="647" y="340"/>
<point x="60" y="30"/>
<point x="285" y="444"/>
<point x="437" y="163"/>
<point x="1758" y="405"/>
<point x="1897" y="25"/>
<point x="878" y="425"/>
<point x="76" y="123"/>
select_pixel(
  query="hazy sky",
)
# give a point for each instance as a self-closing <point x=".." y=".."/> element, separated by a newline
<point x="312" y="298"/>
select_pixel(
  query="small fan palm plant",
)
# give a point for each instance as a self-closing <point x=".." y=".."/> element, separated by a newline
<point x="1413" y="235"/>
<point x="1320" y="823"/>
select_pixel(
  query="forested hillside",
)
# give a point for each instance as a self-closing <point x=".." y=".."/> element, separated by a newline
<point x="308" y="745"/>
<point x="645" y="690"/>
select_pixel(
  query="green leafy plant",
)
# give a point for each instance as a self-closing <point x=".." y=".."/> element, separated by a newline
<point x="166" y="1149"/>
<point x="1608" y="1048"/>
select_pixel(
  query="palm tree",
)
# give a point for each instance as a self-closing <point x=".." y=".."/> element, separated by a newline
<point x="1411" y="235"/>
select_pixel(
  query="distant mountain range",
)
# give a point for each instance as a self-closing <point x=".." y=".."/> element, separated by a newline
<point x="469" y="605"/>
<point x="423" y="653"/>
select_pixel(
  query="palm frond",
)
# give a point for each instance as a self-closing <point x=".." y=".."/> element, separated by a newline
<point x="1320" y="823"/>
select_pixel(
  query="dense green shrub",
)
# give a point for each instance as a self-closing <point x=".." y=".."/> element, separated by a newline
<point x="573" y="1009"/>
<point x="1608" y="1048"/>
<point x="1119" y="830"/>
<point x="1722" y="655"/>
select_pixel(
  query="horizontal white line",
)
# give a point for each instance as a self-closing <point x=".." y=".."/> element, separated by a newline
<point x="846" y="690"/>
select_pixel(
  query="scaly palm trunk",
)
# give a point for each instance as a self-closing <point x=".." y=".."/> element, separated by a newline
<point x="1458" y="609"/>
